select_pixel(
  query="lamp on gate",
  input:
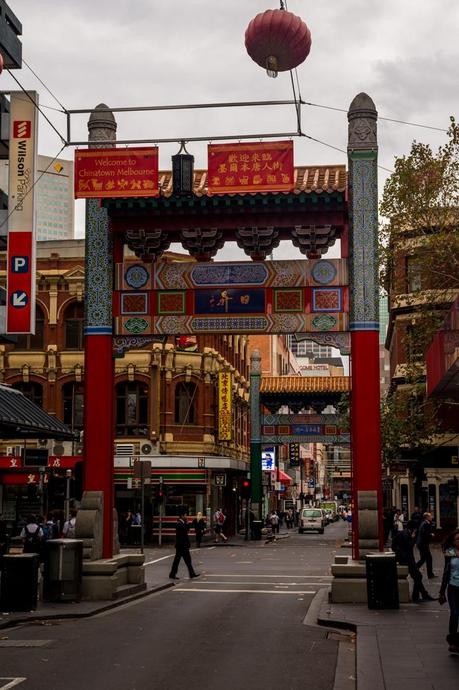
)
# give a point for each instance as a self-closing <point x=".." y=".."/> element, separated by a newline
<point x="182" y="172"/>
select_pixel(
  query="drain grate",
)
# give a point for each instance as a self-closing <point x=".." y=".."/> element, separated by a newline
<point x="25" y="643"/>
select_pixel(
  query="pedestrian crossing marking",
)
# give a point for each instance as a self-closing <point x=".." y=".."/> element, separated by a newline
<point x="239" y="591"/>
<point x="12" y="682"/>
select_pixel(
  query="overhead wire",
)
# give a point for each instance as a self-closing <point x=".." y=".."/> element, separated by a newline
<point x="64" y="109"/>
<point x="34" y="184"/>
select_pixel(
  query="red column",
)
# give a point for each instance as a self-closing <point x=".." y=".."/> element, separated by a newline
<point x="365" y="423"/>
<point x="99" y="431"/>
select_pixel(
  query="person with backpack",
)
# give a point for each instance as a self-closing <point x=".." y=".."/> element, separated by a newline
<point x="68" y="531"/>
<point x="50" y="528"/>
<point x="219" y="521"/>
<point x="32" y="536"/>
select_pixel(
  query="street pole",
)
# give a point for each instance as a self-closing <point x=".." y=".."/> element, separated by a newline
<point x="255" y="434"/>
<point x="142" y="514"/>
<point x="160" y="536"/>
<point x="68" y="476"/>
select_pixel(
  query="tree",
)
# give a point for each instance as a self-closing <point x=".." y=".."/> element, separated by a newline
<point x="419" y="250"/>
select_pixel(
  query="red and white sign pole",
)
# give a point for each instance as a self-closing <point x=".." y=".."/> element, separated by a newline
<point x="20" y="306"/>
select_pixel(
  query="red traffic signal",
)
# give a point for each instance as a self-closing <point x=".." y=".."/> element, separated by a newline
<point x="246" y="488"/>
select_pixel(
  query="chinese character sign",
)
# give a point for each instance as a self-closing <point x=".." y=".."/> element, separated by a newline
<point x="108" y="173"/>
<point x="261" y="167"/>
<point x="225" y="387"/>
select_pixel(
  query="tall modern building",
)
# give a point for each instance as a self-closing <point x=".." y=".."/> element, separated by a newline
<point x="55" y="203"/>
<point x="55" y="206"/>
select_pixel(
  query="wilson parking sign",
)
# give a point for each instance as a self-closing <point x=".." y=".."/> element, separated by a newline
<point x="20" y="299"/>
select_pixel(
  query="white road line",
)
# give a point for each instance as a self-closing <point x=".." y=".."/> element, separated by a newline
<point x="236" y="591"/>
<point x="271" y="584"/>
<point x="296" y="577"/>
<point x="13" y="682"/>
<point x="171" y="555"/>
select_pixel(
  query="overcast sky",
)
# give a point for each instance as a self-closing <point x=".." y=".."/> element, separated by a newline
<point x="403" y="53"/>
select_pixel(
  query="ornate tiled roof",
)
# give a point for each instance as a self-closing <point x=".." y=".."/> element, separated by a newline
<point x="314" y="178"/>
<point x="305" y="384"/>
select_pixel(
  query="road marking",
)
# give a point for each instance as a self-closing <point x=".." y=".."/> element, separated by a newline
<point x="13" y="682"/>
<point x="24" y="643"/>
<point x="235" y="591"/>
<point x="297" y="577"/>
<point x="171" y="555"/>
<point x="271" y="584"/>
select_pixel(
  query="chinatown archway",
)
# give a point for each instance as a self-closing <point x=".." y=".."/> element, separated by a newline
<point x="133" y="302"/>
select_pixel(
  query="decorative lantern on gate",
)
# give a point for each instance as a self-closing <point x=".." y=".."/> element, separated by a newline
<point x="277" y="40"/>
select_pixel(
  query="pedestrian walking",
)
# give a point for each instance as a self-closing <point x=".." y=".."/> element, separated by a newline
<point x="416" y="516"/>
<point x="32" y="536"/>
<point x="50" y="527"/>
<point x="398" y="525"/>
<point x="449" y="589"/>
<point x="68" y="531"/>
<point x="182" y="547"/>
<point x="274" y="521"/>
<point x="403" y="547"/>
<point x="289" y="518"/>
<point x="423" y="539"/>
<point x="218" y="523"/>
<point x="199" y="526"/>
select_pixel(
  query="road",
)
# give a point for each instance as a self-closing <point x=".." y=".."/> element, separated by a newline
<point x="240" y="625"/>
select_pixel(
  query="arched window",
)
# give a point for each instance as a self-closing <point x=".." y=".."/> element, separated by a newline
<point x="33" y="341"/>
<point x="33" y="391"/>
<point x="132" y="409"/>
<point x="73" y="397"/>
<point x="74" y="324"/>
<point x="185" y="403"/>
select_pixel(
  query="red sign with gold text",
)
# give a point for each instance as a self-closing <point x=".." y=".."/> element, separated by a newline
<point x="261" y="167"/>
<point x="108" y="173"/>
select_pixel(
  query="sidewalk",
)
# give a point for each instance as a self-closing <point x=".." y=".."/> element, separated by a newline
<point x="155" y="581"/>
<point x="399" y="649"/>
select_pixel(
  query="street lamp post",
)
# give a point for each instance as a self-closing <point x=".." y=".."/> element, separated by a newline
<point x="68" y="477"/>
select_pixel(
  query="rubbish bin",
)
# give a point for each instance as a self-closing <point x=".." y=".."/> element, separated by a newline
<point x="63" y="568"/>
<point x="382" y="582"/>
<point x="19" y="583"/>
<point x="256" y="527"/>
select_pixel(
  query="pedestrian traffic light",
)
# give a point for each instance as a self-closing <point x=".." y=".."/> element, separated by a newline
<point x="246" y="488"/>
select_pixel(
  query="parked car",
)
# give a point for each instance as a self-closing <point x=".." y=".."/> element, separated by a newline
<point x="311" y="519"/>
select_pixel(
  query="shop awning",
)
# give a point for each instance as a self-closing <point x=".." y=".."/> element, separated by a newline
<point x="21" y="418"/>
<point x="283" y="477"/>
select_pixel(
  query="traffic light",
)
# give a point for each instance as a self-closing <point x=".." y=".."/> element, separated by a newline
<point x="246" y="488"/>
<point x="294" y="454"/>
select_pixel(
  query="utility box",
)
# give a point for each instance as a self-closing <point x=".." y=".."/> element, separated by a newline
<point x="382" y="581"/>
<point x="19" y="583"/>
<point x="63" y="570"/>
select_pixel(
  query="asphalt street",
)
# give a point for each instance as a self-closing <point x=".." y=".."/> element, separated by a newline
<point x="239" y="625"/>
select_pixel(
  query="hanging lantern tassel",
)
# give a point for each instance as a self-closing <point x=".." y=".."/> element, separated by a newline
<point x="278" y="41"/>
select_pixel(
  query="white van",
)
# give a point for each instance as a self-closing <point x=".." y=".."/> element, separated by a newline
<point x="311" y="519"/>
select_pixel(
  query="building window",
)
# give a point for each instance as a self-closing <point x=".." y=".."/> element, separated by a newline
<point x="74" y="325"/>
<point x="413" y="274"/>
<point x="185" y="403"/>
<point x="32" y="391"/>
<point x="73" y="397"/>
<point x="33" y="341"/>
<point x="131" y="409"/>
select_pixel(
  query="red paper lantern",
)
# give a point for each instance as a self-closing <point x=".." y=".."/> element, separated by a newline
<point x="278" y="41"/>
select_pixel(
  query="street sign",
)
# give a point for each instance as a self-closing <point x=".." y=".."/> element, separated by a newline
<point x="142" y="470"/>
<point x="201" y="462"/>
<point x="220" y="479"/>
<point x="311" y="483"/>
<point x="20" y="307"/>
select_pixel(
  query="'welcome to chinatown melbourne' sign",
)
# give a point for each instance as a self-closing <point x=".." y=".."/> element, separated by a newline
<point x="116" y="173"/>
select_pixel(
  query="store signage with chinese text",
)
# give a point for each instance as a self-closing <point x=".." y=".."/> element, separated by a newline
<point x="110" y="173"/>
<point x="225" y="386"/>
<point x="20" y="309"/>
<point x="260" y="167"/>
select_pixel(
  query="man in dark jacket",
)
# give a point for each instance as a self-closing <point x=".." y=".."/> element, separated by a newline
<point x="423" y="540"/>
<point x="403" y="546"/>
<point x="182" y="547"/>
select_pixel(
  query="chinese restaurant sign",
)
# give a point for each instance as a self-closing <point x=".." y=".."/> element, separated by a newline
<point x="261" y="167"/>
<point x="225" y="386"/>
<point x="109" y="173"/>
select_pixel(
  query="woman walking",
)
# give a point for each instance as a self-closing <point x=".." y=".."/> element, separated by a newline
<point x="199" y="526"/>
<point x="449" y="589"/>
